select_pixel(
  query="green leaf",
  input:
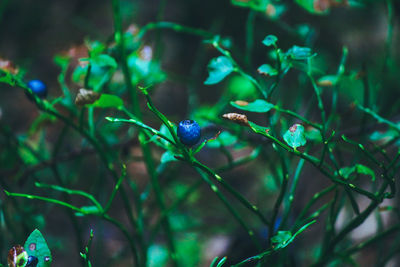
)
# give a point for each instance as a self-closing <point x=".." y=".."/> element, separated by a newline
<point x="104" y="61"/>
<point x="164" y="130"/>
<point x="102" y="67"/>
<point x="385" y="137"/>
<point x="328" y="80"/>
<point x="258" y="105"/>
<point x="313" y="135"/>
<point x="107" y="101"/>
<point x="295" y="136"/>
<point x="280" y="239"/>
<point x="258" y="5"/>
<point x="258" y="129"/>
<point x="267" y="69"/>
<point x="346" y="172"/>
<point x="41" y="120"/>
<point x="99" y="76"/>
<point x="188" y="246"/>
<point x="36" y="246"/>
<point x="27" y="156"/>
<point x="6" y="77"/>
<point x="61" y="61"/>
<point x="145" y="71"/>
<point x="95" y="47"/>
<point x="283" y="238"/>
<point x="167" y="157"/>
<point x="240" y="87"/>
<point x="224" y="139"/>
<point x="270" y="40"/>
<point x="157" y="255"/>
<point x="299" y="53"/>
<point x="314" y="7"/>
<point x="218" y="69"/>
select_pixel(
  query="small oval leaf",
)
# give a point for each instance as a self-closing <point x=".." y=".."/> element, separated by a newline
<point x="104" y="60"/>
<point x="346" y="172"/>
<point x="218" y="69"/>
<point x="299" y="53"/>
<point x="295" y="136"/>
<point x="167" y="157"/>
<point x="258" y="105"/>
<point x="36" y="246"/>
<point x="270" y="40"/>
<point x="267" y="70"/>
<point x="108" y="101"/>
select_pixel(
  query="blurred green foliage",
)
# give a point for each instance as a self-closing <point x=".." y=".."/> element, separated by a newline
<point x="297" y="101"/>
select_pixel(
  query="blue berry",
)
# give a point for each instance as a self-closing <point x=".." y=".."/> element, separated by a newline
<point x="38" y="87"/>
<point x="189" y="132"/>
<point x="32" y="261"/>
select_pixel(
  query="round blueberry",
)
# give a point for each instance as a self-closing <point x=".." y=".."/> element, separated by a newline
<point x="189" y="132"/>
<point x="32" y="261"/>
<point x="38" y="87"/>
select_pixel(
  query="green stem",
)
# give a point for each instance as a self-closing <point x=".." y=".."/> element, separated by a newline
<point x="241" y="161"/>
<point x="352" y="225"/>
<point x="319" y="99"/>
<point x="339" y="74"/>
<point x="380" y="119"/>
<point x="232" y="210"/>
<point x="289" y="200"/>
<point x="250" y="28"/>
<point x="366" y="97"/>
<point x="389" y="38"/>
<point x="197" y="184"/>
<point x="140" y="124"/>
<point x="71" y="192"/>
<point x="49" y="200"/>
<point x="311" y="202"/>
<point x="173" y="26"/>
<point x="46" y="107"/>
<point x="159" y="197"/>
<point x="282" y="192"/>
<point x="115" y="190"/>
<point x="316" y="163"/>
<point x="296" y="115"/>
<point x="182" y="199"/>
<point x="321" y="108"/>
<point x="393" y="251"/>
<point x="238" y="69"/>
<point x="280" y="74"/>
<point x="160" y="17"/>
<point x="149" y="162"/>
<point x="84" y="212"/>
<point x="230" y="189"/>
<point x="127" y="235"/>
<point x="86" y="254"/>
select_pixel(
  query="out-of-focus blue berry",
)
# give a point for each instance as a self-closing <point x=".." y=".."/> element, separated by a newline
<point x="38" y="87"/>
<point x="189" y="132"/>
<point x="32" y="261"/>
